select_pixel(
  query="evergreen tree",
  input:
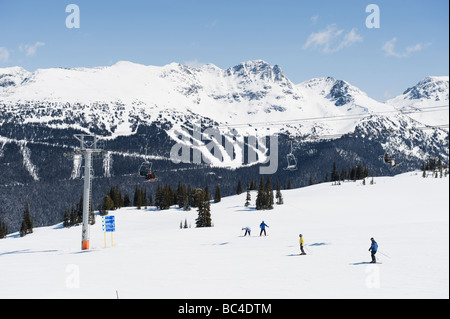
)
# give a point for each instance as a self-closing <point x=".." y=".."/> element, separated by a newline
<point x="27" y="222"/>
<point x="264" y="197"/>
<point x="260" y="196"/>
<point x="353" y="174"/>
<point x="167" y="195"/>
<point x="136" y="195"/>
<point x="108" y="203"/>
<point x="248" y="198"/>
<point x="289" y="186"/>
<point x="66" y="219"/>
<point x="359" y="172"/>
<point x="3" y="229"/>
<point x="186" y="206"/>
<point x="144" y="197"/>
<point x="158" y="197"/>
<point x="126" y="201"/>
<point x="203" y="209"/>
<point x="343" y="176"/>
<point x="116" y="197"/>
<point x="91" y="218"/>
<point x="207" y="191"/>
<point x="278" y="196"/>
<point x="181" y="195"/>
<point x="239" y="188"/>
<point x="217" y="195"/>
<point x="73" y="216"/>
<point x="269" y="193"/>
<point x="334" y="173"/>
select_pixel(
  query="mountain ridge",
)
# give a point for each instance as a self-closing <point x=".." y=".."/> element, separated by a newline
<point x="117" y="98"/>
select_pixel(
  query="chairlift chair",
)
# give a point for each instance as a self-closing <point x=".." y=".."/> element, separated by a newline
<point x="291" y="160"/>
<point x="146" y="170"/>
<point x="292" y="163"/>
<point x="387" y="159"/>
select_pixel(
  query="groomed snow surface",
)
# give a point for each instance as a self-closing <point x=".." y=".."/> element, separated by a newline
<point x="153" y="258"/>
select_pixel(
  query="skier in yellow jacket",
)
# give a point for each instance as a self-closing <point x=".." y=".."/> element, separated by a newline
<point x="302" y="243"/>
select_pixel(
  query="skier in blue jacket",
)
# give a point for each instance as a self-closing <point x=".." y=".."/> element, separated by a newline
<point x="263" y="228"/>
<point x="373" y="250"/>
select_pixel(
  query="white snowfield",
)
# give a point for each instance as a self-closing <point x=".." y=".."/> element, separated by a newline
<point x="153" y="258"/>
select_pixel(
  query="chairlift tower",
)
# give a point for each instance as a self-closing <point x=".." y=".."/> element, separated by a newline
<point x="88" y="147"/>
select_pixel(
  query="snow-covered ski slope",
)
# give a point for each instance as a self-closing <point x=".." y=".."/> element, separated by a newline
<point x="153" y="258"/>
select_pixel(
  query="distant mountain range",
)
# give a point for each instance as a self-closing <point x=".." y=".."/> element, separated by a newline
<point x="115" y="100"/>
<point x="131" y="106"/>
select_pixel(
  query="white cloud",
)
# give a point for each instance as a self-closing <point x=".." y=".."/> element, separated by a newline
<point x="416" y="48"/>
<point x="349" y="39"/>
<point x="30" y="50"/>
<point x="390" y="50"/>
<point x="4" y="55"/>
<point x="332" y="39"/>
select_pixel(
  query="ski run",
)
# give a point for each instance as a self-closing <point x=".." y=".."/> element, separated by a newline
<point x="151" y="257"/>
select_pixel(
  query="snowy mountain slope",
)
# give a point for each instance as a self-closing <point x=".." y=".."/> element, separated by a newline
<point x="338" y="100"/>
<point x="428" y="95"/>
<point x="118" y="98"/>
<point x="153" y="258"/>
<point x="12" y="77"/>
<point x="251" y="98"/>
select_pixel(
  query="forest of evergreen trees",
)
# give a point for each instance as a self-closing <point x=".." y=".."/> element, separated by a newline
<point x="26" y="225"/>
<point x="436" y="167"/>
<point x="186" y="197"/>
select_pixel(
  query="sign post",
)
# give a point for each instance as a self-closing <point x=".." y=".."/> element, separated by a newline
<point x="109" y="226"/>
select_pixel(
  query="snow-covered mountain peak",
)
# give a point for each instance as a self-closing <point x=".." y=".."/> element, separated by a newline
<point x="255" y="70"/>
<point x="118" y="98"/>
<point x="339" y="91"/>
<point x="339" y="94"/>
<point x="432" y="91"/>
<point x="430" y="88"/>
<point x="13" y="76"/>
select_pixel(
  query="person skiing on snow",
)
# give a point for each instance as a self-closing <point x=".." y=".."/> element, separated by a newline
<point x="263" y="228"/>
<point x="247" y="231"/>
<point x="302" y="243"/>
<point x="373" y="249"/>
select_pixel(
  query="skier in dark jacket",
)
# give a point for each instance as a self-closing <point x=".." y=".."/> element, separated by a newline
<point x="373" y="250"/>
<point x="263" y="228"/>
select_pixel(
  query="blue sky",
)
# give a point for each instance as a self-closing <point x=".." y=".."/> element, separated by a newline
<point x="306" y="38"/>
